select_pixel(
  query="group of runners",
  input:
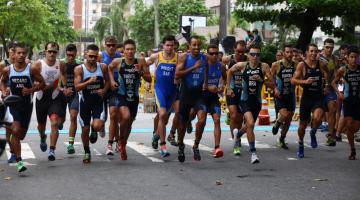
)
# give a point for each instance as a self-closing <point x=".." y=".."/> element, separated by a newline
<point x="187" y="84"/>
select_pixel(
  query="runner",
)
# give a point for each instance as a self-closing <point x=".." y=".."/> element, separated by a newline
<point x="210" y="100"/>
<point x="254" y="73"/>
<point x="107" y="57"/>
<point x="351" y="96"/>
<point x="49" y="99"/>
<point x="282" y="72"/>
<point x="19" y="78"/>
<point x="330" y="99"/>
<point x="236" y="117"/>
<point x="130" y="70"/>
<point x="310" y="74"/>
<point x="71" y="98"/>
<point x="192" y="68"/>
<point x="165" y="89"/>
<point x="92" y="83"/>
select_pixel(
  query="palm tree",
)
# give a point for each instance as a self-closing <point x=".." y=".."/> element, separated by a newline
<point x="102" y="27"/>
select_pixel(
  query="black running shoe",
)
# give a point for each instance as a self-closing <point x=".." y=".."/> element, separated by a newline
<point x="283" y="144"/>
<point x="181" y="153"/>
<point x="2" y="146"/>
<point x="196" y="153"/>
<point x="189" y="127"/>
<point x="338" y="138"/>
<point x="93" y="135"/>
<point x="275" y="128"/>
<point x="155" y="141"/>
<point x="171" y="139"/>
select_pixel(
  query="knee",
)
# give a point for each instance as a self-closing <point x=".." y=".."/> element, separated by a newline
<point x="233" y="116"/>
<point x="163" y="116"/>
<point x="250" y="125"/>
<point x="113" y="116"/>
<point x="216" y="120"/>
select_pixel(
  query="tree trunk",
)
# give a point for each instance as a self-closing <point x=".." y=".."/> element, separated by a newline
<point x="309" y="25"/>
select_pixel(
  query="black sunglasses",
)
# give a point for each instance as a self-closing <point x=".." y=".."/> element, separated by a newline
<point x="110" y="45"/>
<point x="51" y="51"/>
<point x="213" y="53"/>
<point x="254" y="54"/>
<point x="92" y="56"/>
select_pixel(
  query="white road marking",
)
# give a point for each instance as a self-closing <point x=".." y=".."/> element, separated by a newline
<point x="148" y="152"/>
<point x="26" y="152"/>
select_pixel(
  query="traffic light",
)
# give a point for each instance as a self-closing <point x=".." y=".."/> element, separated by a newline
<point x="187" y="32"/>
<point x="228" y="43"/>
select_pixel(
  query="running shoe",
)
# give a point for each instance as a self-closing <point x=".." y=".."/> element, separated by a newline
<point x="218" y="153"/>
<point x="155" y="141"/>
<point x="109" y="150"/>
<point x="282" y="144"/>
<point x="275" y="128"/>
<point x="357" y="138"/>
<point x="196" y="153"/>
<point x="189" y="127"/>
<point x="2" y="146"/>
<point x="93" y="136"/>
<point x="70" y="149"/>
<point x="123" y="154"/>
<point x="87" y="158"/>
<point x="339" y="138"/>
<point x="314" y="143"/>
<point x="352" y="155"/>
<point x="20" y="166"/>
<point x="51" y="156"/>
<point x="171" y="139"/>
<point x="12" y="158"/>
<point x="163" y="151"/>
<point x="300" y="152"/>
<point x="254" y="158"/>
<point x="236" y="151"/>
<point x="181" y="153"/>
<point x="60" y="126"/>
<point x="324" y="128"/>
<point x="331" y="142"/>
<point x="43" y="145"/>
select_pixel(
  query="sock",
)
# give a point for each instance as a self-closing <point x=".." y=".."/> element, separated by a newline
<point x="71" y="140"/>
<point x="252" y="147"/>
<point x="282" y="138"/>
<point x="313" y="131"/>
<point x="301" y="143"/>
<point x="52" y="148"/>
<point x="87" y="149"/>
<point x="240" y="133"/>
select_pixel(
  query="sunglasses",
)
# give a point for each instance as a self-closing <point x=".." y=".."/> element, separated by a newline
<point x="92" y="56"/>
<point x="110" y="45"/>
<point x="51" y="51"/>
<point x="213" y="53"/>
<point x="70" y="55"/>
<point x="329" y="47"/>
<point x="254" y="54"/>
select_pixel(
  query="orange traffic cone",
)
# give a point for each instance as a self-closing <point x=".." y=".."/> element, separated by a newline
<point x="264" y="117"/>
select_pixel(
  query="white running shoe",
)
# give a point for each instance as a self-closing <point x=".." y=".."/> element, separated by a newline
<point x="254" y="158"/>
<point x="109" y="150"/>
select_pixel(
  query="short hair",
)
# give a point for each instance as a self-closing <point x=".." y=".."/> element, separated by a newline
<point x="52" y="44"/>
<point x="239" y="42"/>
<point x="129" y="41"/>
<point x="329" y="40"/>
<point x="11" y="45"/>
<point x="343" y="46"/>
<point x="19" y="45"/>
<point x="254" y="46"/>
<point x="92" y="47"/>
<point x="169" y="38"/>
<point x="110" y="38"/>
<point x="212" y="46"/>
<point x="120" y="45"/>
<point x="311" y="45"/>
<point x="353" y="49"/>
<point x="287" y="46"/>
<point x="194" y="37"/>
<point x="71" y="47"/>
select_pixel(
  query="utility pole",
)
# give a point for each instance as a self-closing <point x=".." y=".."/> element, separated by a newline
<point x="157" y="32"/>
<point x="223" y="19"/>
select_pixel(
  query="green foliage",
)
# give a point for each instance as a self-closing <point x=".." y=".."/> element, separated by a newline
<point x="35" y="22"/>
<point x="141" y="23"/>
<point x="268" y="52"/>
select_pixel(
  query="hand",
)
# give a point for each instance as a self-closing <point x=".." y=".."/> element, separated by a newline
<point x="101" y="92"/>
<point x="205" y="86"/>
<point x="256" y="77"/>
<point x="197" y="64"/>
<point x="230" y="92"/>
<point x="276" y="93"/>
<point x="6" y="92"/>
<point x="26" y="91"/>
<point x="114" y="85"/>
<point x="68" y="92"/>
<point x="212" y="89"/>
<point x="92" y="80"/>
<point x="309" y="81"/>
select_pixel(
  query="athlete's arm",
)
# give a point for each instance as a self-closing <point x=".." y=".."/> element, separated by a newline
<point x="297" y="79"/>
<point x="223" y="78"/>
<point x="78" y="74"/>
<point x="325" y="71"/>
<point x="180" y="69"/>
<point x="274" y="70"/>
<point x="113" y="65"/>
<point x="339" y="74"/>
<point x="270" y="81"/>
<point x="99" y="59"/>
<point x="145" y="72"/>
<point x="152" y="59"/>
<point x="101" y="92"/>
<point x="35" y="72"/>
<point x="237" y="67"/>
<point x="4" y="80"/>
<point x="205" y="85"/>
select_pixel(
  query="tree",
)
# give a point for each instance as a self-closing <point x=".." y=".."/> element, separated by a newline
<point x="141" y="23"/>
<point x="306" y="15"/>
<point x="34" y="22"/>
